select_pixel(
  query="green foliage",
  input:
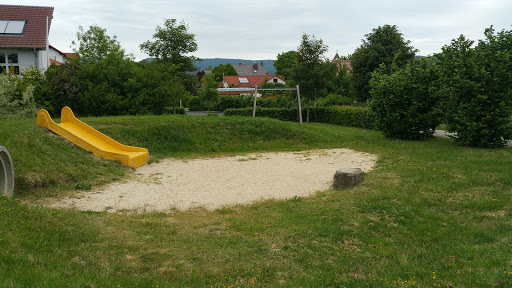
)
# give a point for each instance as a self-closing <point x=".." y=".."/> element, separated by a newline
<point x="223" y="70"/>
<point x="343" y="84"/>
<point x="283" y="114"/>
<point x="209" y="95"/>
<point x="384" y="45"/>
<point x="194" y="104"/>
<point x="243" y="101"/>
<point x="175" y="110"/>
<point x="338" y="115"/>
<point x="17" y="95"/>
<point x="313" y="72"/>
<point x="104" y="81"/>
<point x="159" y="86"/>
<point x="406" y="103"/>
<point x="351" y="116"/>
<point x="62" y="87"/>
<point x="95" y="44"/>
<point x="285" y="64"/>
<point x="335" y="100"/>
<point x="478" y="89"/>
<point x="171" y="44"/>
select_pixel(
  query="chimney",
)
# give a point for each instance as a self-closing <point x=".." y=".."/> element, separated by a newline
<point x="255" y="66"/>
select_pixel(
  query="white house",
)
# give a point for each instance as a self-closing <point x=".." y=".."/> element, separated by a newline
<point x="23" y="38"/>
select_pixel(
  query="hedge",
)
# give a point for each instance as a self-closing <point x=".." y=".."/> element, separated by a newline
<point x="242" y="101"/>
<point x="339" y="115"/>
<point x="179" y="110"/>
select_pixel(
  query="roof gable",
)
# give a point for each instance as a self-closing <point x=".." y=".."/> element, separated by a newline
<point x="34" y="34"/>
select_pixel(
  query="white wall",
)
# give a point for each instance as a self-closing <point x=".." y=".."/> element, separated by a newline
<point x="26" y="57"/>
<point x="56" y="55"/>
<point x="279" y="80"/>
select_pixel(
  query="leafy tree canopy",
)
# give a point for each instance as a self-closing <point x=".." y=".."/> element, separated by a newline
<point x="384" y="45"/>
<point x="313" y="72"/>
<point x="171" y="44"/>
<point x="209" y="95"/>
<point x="285" y="63"/>
<point x="406" y="103"/>
<point x="477" y="86"/>
<point x="95" y="44"/>
<point x="223" y="70"/>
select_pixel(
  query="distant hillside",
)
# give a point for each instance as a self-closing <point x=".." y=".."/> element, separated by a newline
<point x="268" y="64"/>
<point x="202" y="65"/>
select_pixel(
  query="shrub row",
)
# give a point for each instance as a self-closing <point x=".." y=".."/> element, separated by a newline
<point x="178" y="110"/>
<point x="339" y="115"/>
<point x="242" y="101"/>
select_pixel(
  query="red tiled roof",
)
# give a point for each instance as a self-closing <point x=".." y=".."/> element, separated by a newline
<point x="71" y="55"/>
<point x="253" y="80"/>
<point x="53" y="61"/>
<point x="35" y="29"/>
<point x="233" y="80"/>
<point x="68" y="55"/>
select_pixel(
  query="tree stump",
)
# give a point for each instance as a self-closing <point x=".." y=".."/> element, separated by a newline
<point x="347" y="177"/>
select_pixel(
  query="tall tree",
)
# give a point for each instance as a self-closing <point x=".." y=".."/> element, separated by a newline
<point x="223" y="70"/>
<point x="95" y="44"/>
<point x="343" y="84"/>
<point x="172" y="44"/>
<point x="477" y="85"/>
<point x="209" y="95"/>
<point x="285" y="63"/>
<point x="384" y="45"/>
<point x="313" y="72"/>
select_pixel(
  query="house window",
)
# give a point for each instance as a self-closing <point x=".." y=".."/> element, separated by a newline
<point x="12" y="27"/>
<point x="275" y="80"/>
<point x="9" y="63"/>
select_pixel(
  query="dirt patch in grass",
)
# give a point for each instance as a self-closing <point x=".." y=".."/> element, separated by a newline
<point x="218" y="182"/>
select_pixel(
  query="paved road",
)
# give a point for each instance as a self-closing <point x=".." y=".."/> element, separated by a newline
<point x="444" y="134"/>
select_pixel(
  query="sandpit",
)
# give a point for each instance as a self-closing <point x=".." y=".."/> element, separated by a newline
<point x="211" y="183"/>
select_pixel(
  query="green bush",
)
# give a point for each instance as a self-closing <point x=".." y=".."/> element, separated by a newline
<point x="234" y="101"/>
<point x="16" y="98"/>
<point x="178" y="110"/>
<point x="343" y="115"/>
<point x="338" y="115"/>
<point x="243" y="101"/>
<point x="193" y="104"/>
<point x="333" y="100"/>
<point x="406" y="103"/>
<point x="478" y="89"/>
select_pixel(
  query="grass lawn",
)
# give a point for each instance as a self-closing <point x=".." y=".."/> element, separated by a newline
<point x="433" y="214"/>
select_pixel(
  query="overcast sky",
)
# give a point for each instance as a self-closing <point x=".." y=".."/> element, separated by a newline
<point x="262" y="29"/>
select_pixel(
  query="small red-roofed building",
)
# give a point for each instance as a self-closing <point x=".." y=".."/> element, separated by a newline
<point x="249" y="82"/>
<point x="23" y="39"/>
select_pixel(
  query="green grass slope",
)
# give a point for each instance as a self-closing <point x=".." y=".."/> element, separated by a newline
<point x="432" y="214"/>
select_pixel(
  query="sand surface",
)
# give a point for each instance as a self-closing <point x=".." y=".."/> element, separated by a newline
<point x="217" y="182"/>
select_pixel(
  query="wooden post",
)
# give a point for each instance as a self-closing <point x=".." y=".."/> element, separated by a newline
<point x="298" y="105"/>
<point x="254" y="106"/>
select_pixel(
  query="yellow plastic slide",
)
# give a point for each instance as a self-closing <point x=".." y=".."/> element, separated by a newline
<point x="90" y="139"/>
